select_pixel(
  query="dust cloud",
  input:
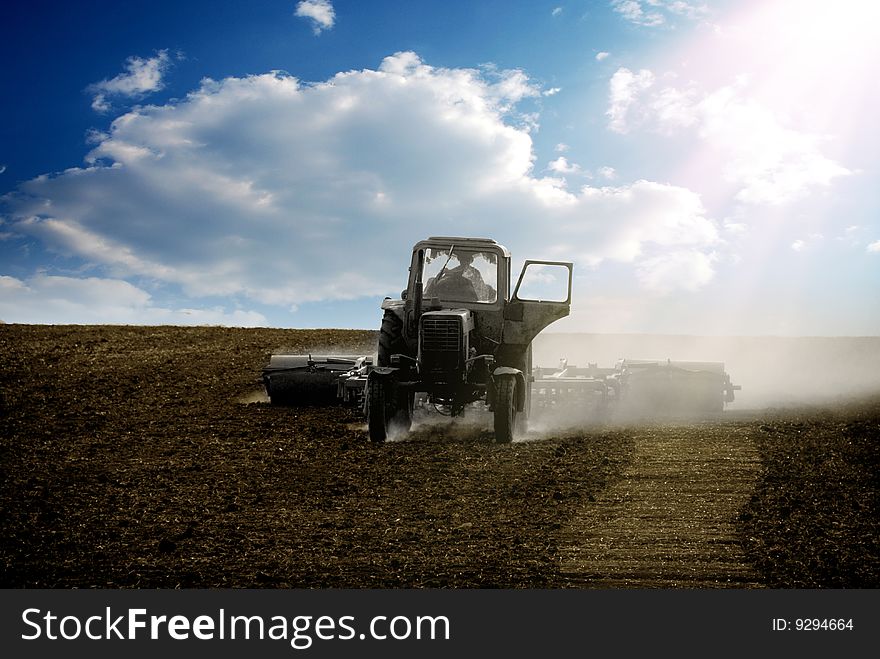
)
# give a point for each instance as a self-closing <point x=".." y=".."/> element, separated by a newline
<point x="773" y="371"/>
<point x="254" y="397"/>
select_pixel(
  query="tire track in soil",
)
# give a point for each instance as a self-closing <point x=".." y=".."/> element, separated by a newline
<point x="670" y="521"/>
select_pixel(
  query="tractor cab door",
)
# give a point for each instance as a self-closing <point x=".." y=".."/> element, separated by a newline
<point x="542" y="295"/>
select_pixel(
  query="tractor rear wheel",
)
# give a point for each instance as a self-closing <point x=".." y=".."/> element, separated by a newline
<point x="505" y="409"/>
<point x="391" y="341"/>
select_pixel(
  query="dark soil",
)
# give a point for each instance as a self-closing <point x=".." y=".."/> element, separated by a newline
<point x="143" y="457"/>
<point x="814" y="519"/>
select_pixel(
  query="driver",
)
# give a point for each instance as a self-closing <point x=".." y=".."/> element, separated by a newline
<point x="466" y="270"/>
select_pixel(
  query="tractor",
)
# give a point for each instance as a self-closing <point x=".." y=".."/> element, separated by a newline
<point x="461" y="334"/>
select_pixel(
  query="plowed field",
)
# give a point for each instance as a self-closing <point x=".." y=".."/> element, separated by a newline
<point x="147" y="457"/>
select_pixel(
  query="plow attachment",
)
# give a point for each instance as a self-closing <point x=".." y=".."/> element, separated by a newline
<point x="589" y="393"/>
<point x="315" y="379"/>
<point x="634" y="387"/>
<point x="666" y="387"/>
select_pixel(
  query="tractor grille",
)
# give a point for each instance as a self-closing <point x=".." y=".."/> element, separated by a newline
<point x="441" y="334"/>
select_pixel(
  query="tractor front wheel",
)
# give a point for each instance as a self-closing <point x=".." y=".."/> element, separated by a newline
<point x="505" y="409"/>
<point x="389" y="411"/>
<point x="377" y="415"/>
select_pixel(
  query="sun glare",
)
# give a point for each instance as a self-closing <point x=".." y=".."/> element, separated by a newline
<point x="785" y="96"/>
<point x="814" y="60"/>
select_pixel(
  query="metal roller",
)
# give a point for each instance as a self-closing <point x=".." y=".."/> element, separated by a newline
<point x="299" y="379"/>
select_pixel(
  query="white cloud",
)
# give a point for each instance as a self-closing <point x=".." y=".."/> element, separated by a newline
<point x="633" y="11"/>
<point x="688" y="9"/>
<point x="602" y="55"/>
<point x="552" y="91"/>
<point x="2" y="169"/>
<point x="141" y="77"/>
<point x="687" y="269"/>
<point x="771" y="163"/>
<point x="92" y="300"/>
<point x="653" y="13"/>
<point x="642" y="220"/>
<point x="319" y="12"/>
<point x="624" y="88"/>
<point x="736" y="228"/>
<point x="810" y="242"/>
<point x="874" y="247"/>
<point x="508" y="87"/>
<point x="266" y="189"/>
<point x="100" y="103"/>
<point x="607" y="173"/>
<point x="562" y="166"/>
<point x="556" y="11"/>
<point x="673" y="109"/>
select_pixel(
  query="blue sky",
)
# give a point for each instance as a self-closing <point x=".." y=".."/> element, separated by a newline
<point x="710" y="167"/>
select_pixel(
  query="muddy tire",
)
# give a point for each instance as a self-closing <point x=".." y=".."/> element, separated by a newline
<point x="391" y="341"/>
<point x="377" y="411"/>
<point x="389" y="412"/>
<point x="505" y="409"/>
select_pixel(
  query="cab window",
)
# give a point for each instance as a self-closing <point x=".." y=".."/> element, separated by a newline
<point x="461" y="275"/>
